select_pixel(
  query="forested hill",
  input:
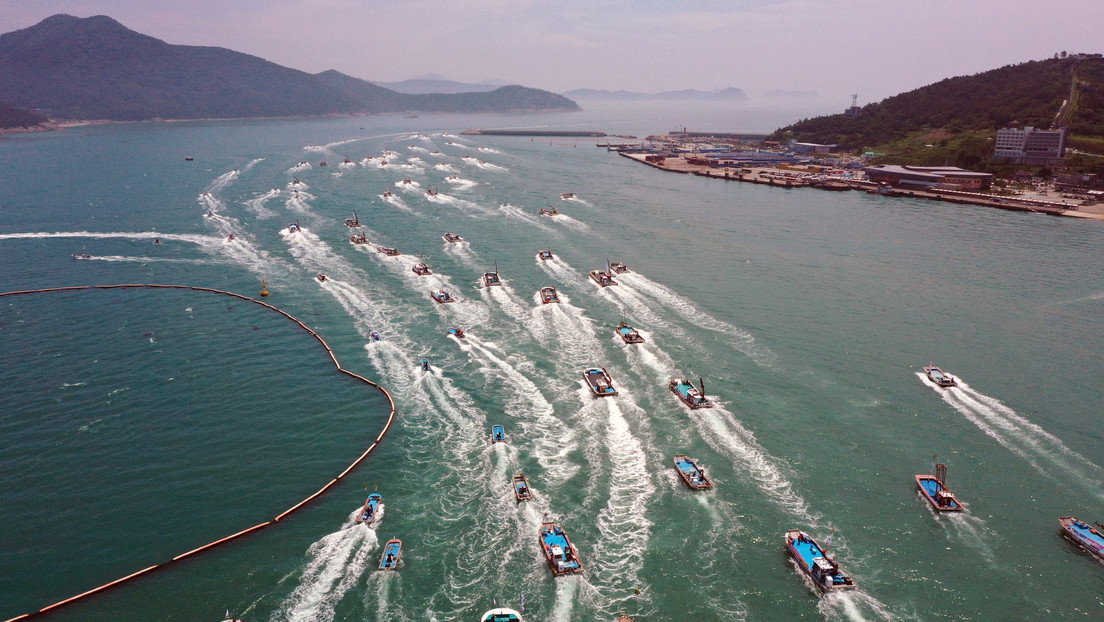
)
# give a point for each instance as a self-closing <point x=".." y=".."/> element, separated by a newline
<point x="96" y="68"/>
<point x="13" y="118"/>
<point x="1031" y="93"/>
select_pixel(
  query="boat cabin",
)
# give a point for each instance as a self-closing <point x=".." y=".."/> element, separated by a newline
<point x="549" y="295"/>
<point x="452" y="238"/>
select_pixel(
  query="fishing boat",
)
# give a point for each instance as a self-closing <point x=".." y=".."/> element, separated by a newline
<point x="425" y="365"/>
<point x="558" y="550"/>
<point x="939" y="377"/>
<point x="81" y="256"/>
<point x="323" y="163"/>
<point x="599" y="381"/>
<point x="453" y="177"/>
<point x="321" y="278"/>
<point x="293" y="227"/>
<point x="549" y="212"/>
<point x="421" y="269"/>
<point x="567" y="195"/>
<point x="432" y="191"/>
<point x="501" y="614"/>
<point x="602" y="278"/>
<point x="1083" y="535"/>
<point x="814" y="562"/>
<point x="347" y="160"/>
<point x="498" y="434"/>
<point x="368" y="514"/>
<point x="548" y="295"/>
<point x="354" y="221"/>
<point x="457" y="332"/>
<point x="359" y="238"/>
<point x="521" y="487"/>
<point x="491" y="279"/>
<point x="452" y="238"/>
<point x="689" y="394"/>
<point x="628" y="334"/>
<point x="391" y="552"/>
<point x="406" y="181"/>
<point x="616" y="267"/>
<point x="188" y="158"/>
<point x="936" y="492"/>
<point x="375" y="336"/>
<point x="387" y="193"/>
<point x="387" y="250"/>
<point x="545" y="254"/>
<point x="441" y="296"/>
<point x="691" y="473"/>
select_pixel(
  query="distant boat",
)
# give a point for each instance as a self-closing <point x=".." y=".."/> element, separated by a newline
<point x="602" y="278"/>
<point x="521" y="487"/>
<point x="354" y="221"/>
<point x="457" y="332"/>
<point x="432" y="191"/>
<point x="549" y="212"/>
<point x="616" y="267"/>
<point x="441" y="296"/>
<point x="689" y="394"/>
<point x="567" y="195"/>
<point x="939" y="377"/>
<point x="491" y="279"/>
<point x="387" y="250"/>
<point x="599" y="381"/>
<point x="375" y="336"/>
<point x="387" y="193"/>
<point x="814" y="562"/>
<point x="691" y="473"/>
<point x="359" y="238"/>
<point x="936" y="492"/>
<point x="558" y="550"/>
<point x="347" y="160"/>
<point x="452" y="238"/>
<point x="293" y="227"/>
<point x="425" y="365"/>
<point x="1083" y="535"/>
<point x="321" y="278"/>
<point x="322" y="163"/>
<point x="545" y="254"/>
<point x="498" y="434"/>
<point x="549" y="295"/>
<point x="368" y="514"/>
<point x="188" y="158"/>
<point x="81" y="256"/>
<point x="421" y="269"/>
<point x="391" y="552"/>
<point x="501" y="614"/>
<point x="628" y="334"/>
<point x="406" y="181"/>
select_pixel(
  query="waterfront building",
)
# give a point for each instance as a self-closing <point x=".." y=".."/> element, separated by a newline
<point x="1029" y="145"/>
<point x="922" y="177"/>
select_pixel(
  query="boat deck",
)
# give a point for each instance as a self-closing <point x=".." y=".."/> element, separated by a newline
<point x="1086" y="535"/>
<point x="931" y="486"/>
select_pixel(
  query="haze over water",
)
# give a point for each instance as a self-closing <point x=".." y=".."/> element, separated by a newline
<point x="140" y="424"/>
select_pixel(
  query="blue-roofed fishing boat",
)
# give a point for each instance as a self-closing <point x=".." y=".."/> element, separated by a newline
<point x="375" y="336"/>
<point x="558" y="550"/>
<point x="456" y="332"/>
<point x="549" y="295"/>
<point x="628" y="334"/>
<point x="425" y="365"/>
<point x="293" y="227"/>
<point x="490" y="279"/>
<point x="368" y="514"/>
<point x="498" y="434"/>
<point x="814" y="562"/>
<point x="521" y="487"/>
<point x="1083" y="535"/>
<point x="934" y="488"/>
<point x="441" y="296"/>
<point x="940" y="377"/>
<point x="599" y="381"/>
<point x="689" y="394"/>
<point x="452" y="238"/>
<point x="691" y="473"/>
<point x="501" y="614"/>
<point x="421" y="269"/>
<point x="546" y="255"/>
<point x="354" y="221"/>
<point x="391" y="552"/>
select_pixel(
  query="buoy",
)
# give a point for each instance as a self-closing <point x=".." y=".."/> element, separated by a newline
<point x="264" y="288"/>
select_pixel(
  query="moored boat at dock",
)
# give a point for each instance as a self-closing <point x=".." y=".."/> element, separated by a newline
<point x="549" y="295"/>
<point x="558" y="550"/>
<point x="934" y="488"/>
<point x="1082" y="534"/>
<point x="599" y="381"/>
<point x="421" y="269"/>
<point x="815" y="563"/>
<point x="521" y="487"/>
<point x="391" y="552"/>
<point x="940" y="377"/>
<point x="498" y="434"/>
<point x="689" y="394"/>
<point x="628" y="334"/>
<point x="441" y="296"/>
<point x="452" y="238"/>
<point x="602" y="278"/>
<point x="691" y="473"/>
<point x="371" y="506"/>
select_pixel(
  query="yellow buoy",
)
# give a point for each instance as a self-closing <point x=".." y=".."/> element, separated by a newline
<point x="264" y="288"/>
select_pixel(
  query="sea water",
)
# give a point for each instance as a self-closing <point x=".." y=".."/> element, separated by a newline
<point x="139" y="424"/>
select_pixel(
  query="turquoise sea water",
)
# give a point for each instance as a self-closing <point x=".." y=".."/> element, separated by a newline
<point x="139" y="424"/>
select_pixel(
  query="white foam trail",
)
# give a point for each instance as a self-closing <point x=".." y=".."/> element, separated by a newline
<point x="507" y="300"/>
<point x="1020" y="436"/>
<point x="396" y="201"/>
<point x="563" y="219"/>
<point x="222" y="181"/>
<point x="191" y="238"/>
<point x="257" y="204"/>
<point x="564" y="603"/>
<point x="302" y="166"/>
<point x="489" y="150"/>
<point x="445" y="168"/>
<point x="417" y="149"/>
<point x="853" y="605"/>
<point x="460" y="250"/>
<point x="513" y="211"/>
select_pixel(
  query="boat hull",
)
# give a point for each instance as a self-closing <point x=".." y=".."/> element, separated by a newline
<point x="391" y="553"/>
<point x="930" y="488"/>
<point x="601" y="278"/>
<point x="825" y="574"/>
<point x="692" y="475"/>
<point x="521" y="488"/>
<point x="688" y="394"/>
<point x="599" y="381"/>
<point x="628" y="334"/>
<point x="939" y="377"/>
<point x="558" y="551"/>
<point x="1083" y="535"/>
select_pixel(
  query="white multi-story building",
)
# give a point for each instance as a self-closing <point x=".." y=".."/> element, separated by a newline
<point x="1027" y="145"/>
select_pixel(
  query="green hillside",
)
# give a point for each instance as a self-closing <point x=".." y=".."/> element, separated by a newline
<point x="11" y="118"/>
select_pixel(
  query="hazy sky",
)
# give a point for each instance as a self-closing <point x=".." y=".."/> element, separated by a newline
<point x="876" y="48"/>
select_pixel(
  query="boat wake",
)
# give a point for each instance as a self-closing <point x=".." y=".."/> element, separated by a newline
<point x="513" y="211"/>
<point x="1041" y="449"/>
<point x="257" y="204"/>
<point x="507" y="300"/>
<point x="853" y="605"/>
<point x="223" y="180"/>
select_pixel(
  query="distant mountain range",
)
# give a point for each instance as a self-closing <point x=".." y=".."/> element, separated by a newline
<point x="437" y="84"/>
<point x="95" y="68"/>
<point x="730" y="94"/>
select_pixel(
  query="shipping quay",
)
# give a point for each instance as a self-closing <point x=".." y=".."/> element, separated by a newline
<point x="714" y="156"/>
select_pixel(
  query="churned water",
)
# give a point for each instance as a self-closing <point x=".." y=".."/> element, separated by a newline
<point x="139" y="424"/>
